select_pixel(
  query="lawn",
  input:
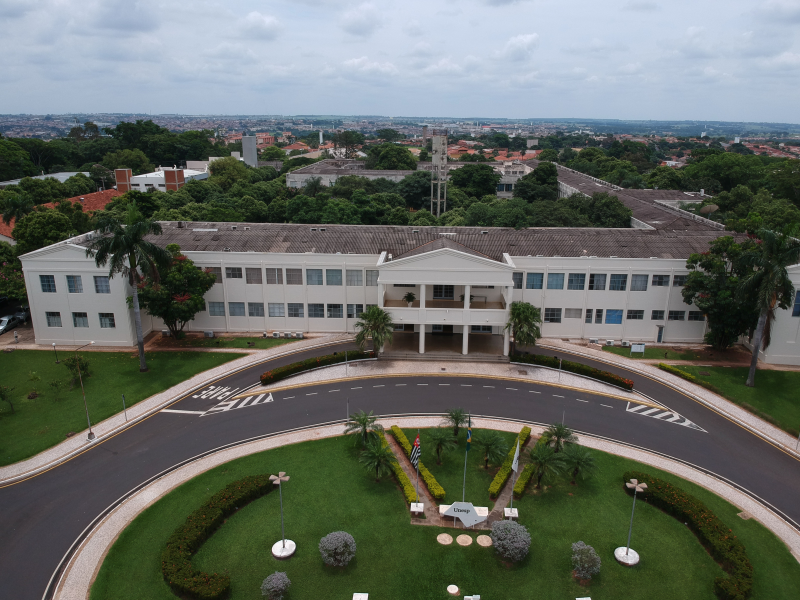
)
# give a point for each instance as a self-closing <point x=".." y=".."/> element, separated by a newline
<point x="38" y="424"/>
<point x="329" y="491"/>
<point x="657" y="353"/>
<point x="774" y="395"/>
<point x="259" y="343"/>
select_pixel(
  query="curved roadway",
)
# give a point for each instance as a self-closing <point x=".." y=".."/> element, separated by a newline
<point x="41" y="517"/>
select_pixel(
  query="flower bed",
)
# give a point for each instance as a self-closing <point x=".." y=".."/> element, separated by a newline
<point x="285" y="371"/>
<point x="505" y="469"/>
<point x="436" y="490"/>
<point x="713" y="534"/>
<point x="409" y="491"/>
<point x="573" y="367"/>
<point x="522" y="480"/>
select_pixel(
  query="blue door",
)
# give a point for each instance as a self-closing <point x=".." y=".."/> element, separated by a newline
<point x="660" y="335"/>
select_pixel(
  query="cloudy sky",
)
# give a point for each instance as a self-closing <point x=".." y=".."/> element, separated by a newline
<point x="633" y="59"/>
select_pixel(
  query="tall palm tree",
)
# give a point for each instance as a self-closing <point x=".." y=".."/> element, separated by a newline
<point x="769" y="283"/>
<point x="455" y="418"/>
<point x="579" y="461"/>
<point x="122" y="245"/>
<point x="378" y="458"/>
<point x="442" y="441"/>
<point x="377" y="324"/>
<point x="16" y="207"/>
<point x="363" y="425"/>
<point x="524" y="320"/>
<point x="557" y="435"/>
<point x="546" y="463"/>
<point x="492" y="446"/>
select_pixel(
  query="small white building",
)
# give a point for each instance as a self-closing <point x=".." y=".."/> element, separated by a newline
<point x="162" y="179"/>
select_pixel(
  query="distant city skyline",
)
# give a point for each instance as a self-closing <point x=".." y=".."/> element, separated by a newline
<point x="622" y="59"/>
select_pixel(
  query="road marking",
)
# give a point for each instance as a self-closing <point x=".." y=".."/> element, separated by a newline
<point x="665" y="415"/>
<point x="183" y="412"/>
<point x="377" y="386"/>
<point x="288" y="397"/>
<point x="607" y="405"/>
<point x="466" y="385"/>
<point x="444" y="384"/>
<point x="329" y="391"/>
<point x="356" y="388"/>
<point x="398" y="384"/>
<point x="312" y="394"/>
<point x="534" y="392"/>
<point x="557" y="396"/>
<point x="512" y="389"/>
<point x="422" y="384"/>
<point x="579" y="400"/>
<point x="237" y="403"/>
<point x="488" y="386"/>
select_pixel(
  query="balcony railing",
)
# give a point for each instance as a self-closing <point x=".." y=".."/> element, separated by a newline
<point x="451" y="304"/>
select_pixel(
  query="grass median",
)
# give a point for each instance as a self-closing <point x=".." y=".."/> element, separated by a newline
<point x="656" y="353"/>
<point x="37" y="424"/>
<point x="257" y="343"/>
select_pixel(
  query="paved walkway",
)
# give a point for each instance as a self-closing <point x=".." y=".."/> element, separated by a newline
<point x="504" y="497"/>
<point x="431" y="507"/>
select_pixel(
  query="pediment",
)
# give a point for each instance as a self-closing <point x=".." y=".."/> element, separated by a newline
<point x="446" y="266"/>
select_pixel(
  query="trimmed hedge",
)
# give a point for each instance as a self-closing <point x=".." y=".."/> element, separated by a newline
<point x="505" y="469"/>
<point x="285" y="371"/>
<point x="523" y="480"/>
<point x="573" y="367"/>
<point x="176" y="559"/>
<point x="714" y="535"/>
<point x="409" y="491"/>
<point x="436" y="490"/>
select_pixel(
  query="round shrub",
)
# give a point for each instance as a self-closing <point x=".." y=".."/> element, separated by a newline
<point x="511" y="540"/>
<point x="275" y="586"/>
<point x="337" y="548"/>
<point x="585" y="561"/>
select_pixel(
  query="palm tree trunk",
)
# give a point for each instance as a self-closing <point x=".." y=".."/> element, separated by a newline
<point x="762" y="322"/>
<point x="137" y="321"/>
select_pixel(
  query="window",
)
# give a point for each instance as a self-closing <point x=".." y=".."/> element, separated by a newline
<point x="255" y="309"/>
<point x="408" y="285"/>
<point x="638" y="283"/>
<point x="660" y="280"/>
<point x="657" y="315"/>
<point x="696" y="315"/>
<point x="275" y="276"/>
<point x="216" y="272"/>
<point x="275" y="309"/>
<point x="597" y="281"/>
<point x="354" y="310"/>
<point x="589" y="313"/>
<point x="677" y="315"/>
<point x="679" y="280"/>
<point x="316" y="311"/>
<point x="102" y="285"/>
<point x="236" y="309"/>
<point x="48" y="284"/>
<point x="613" y="316"/>
<point x="253" y="276"/>
<point x="555" y="281"/>
<point x="107" y="321"/>
<point x="480" y="329"/>
<point x="443" y="292"/>
<point x="296" y="310"/>
<point x="314" y="276"/>
<point x="74" y="284"/>
<point x="333" y="277"/>
<point x="372" y="278"/>
<point x="216" y="309"/>
<point x="636" y="315"/>
<point x="598" y="316"/>
<point x="517" y="279"/>
<point x="80" y="320"/>
<point x="293" y="277"/>
<point x="573" y="313"/>
<point x="355" y="277"/>
<point x="618" y="283"/>
<point x="796" y="309"/>
<point x="233" y="272"/>
<point x="576" y="281"/>
<point x="53" y="319"/>
<point x="552" y="315"/>
<point x="335" y="311"/>
<point x="534" y="281"/>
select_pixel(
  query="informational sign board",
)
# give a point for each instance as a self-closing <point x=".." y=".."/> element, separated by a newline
<point x="637" y="348"/>
<point x="465" y="512"/>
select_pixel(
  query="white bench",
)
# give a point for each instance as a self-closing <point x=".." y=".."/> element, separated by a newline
<point x="360" y="596"/>
<point x="417" y="508"/>
<point x="511" y="513"/>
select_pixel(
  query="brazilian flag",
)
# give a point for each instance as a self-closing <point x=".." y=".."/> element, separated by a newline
<point x="469" y="433"/>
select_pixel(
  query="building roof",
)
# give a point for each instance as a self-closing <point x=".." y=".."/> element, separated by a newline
<point x="438" y="244"/>
<point x="93" y="201"/>
<point x="62" y="177"/>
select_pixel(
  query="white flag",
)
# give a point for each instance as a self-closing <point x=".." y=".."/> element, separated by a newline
<point x="515" y="464"/>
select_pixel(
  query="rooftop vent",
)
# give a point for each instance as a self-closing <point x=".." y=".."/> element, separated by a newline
<point x="322" y="229"/>
<point x="484" y="232"/>
<point x="613" y="257"/>
<point x="415" y="231"/>
<point x="226" y="249"/>
<point x="247" y="229"/>
<point x="313" y="229"/>
<point x="234" y="227"/>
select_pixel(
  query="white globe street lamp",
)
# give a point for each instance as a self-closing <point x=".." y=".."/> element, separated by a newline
<point x="626" y="556"/>
<point x="285" y="548"/>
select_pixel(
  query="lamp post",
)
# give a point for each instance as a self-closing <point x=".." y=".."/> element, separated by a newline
<point x="285" y="548"/>
<point x="56" y="352"/>
<point x="626" y="556"/>
<point x="91" y="435"/>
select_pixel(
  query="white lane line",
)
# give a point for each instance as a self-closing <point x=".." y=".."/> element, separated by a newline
<point x="422" y="384"/>
<point x="557" y="396"/>
<point x="183" y="412"/>
<point x="488" y="386"/>
<point x="512" y="389"/>
<point x="534" y="392"/>
<point x="288" y="397"/>
<point x="466" y="385"/>
<point x="444" y="384"/>
<point x="312" y="394"/>
<point x="356" y="388"/>
<point x="650" y="411"/>
<point x="579" y="400"/>
<point x="378" y="385"/>
<point x="329" y="391"/>
<point x="607" y="405"/>
<point x="398" y="384"/>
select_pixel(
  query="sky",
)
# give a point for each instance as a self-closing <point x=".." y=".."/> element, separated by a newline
<point x="733" y="60"/>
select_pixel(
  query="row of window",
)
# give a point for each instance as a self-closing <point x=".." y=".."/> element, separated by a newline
<point x="294" y="310"/>
<point x="275" y="276"/>
<point x="597" y="281"/>
<point x="614" y="316"/>
<point x="102" y="285"/>
<point x="81" y="319"/>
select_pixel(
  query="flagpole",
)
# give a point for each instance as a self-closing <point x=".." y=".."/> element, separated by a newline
<point x="417" y="466"/>
<point x="466" y="453"/>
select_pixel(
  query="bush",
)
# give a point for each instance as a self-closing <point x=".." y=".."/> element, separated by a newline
<point x="505" y="469"/>
<point x="275" y="586"/>
<point x="409" y="491"/>
<point x="73" y="363"/>
<point x="573" y="367"/>
<point x="585" y="561"/>
<point x="176" y="565"/>
<point x="436" y="490"/>
<point x="523" y="479"/>
<point x="714" y="535"/>
<point x="337" y="549"/>
<point x="511" y="540"/>
<point x="312" y="363"/>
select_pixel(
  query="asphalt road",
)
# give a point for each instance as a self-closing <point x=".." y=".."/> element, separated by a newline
<point x="40" y="518"/>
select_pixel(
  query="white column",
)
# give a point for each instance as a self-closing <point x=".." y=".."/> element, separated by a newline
<point x="466" y="299"/>
<point x="422" y="338"/>
<point x="380" y="295"/>
<point x="422" y="295"/>
<point x="465" y="340"/>
<point x="506" y="342"/>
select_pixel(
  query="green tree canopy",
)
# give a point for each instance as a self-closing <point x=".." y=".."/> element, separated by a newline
<point x="476" y="179"/>
<point x="14" y="162"/>
<point x="135" y="159"/>
<point x="272" y="153"/>
<point x="227" y="171"/>
<point x="41" y="228"/>
<point x="391" y="157"/>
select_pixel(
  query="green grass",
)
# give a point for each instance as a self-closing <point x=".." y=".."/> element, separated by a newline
<point x="44" y="422"/>
<point x="656" y="353"/>
<point x="775" y="393"/>
<point x="330" y="491"/>
<point x="259" y="343"/>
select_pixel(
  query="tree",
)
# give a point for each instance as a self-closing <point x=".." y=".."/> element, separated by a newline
<point x="511" y="540"/>
<point x="579" y="461"/>
<point x="442" y="441"/>
<point x="5" y="396"/>
<point x="78" y="368"/>
<point x="14" y="161"/>
<point x="349" y="141"/>
<point x="272" y="153"/>
<point x="40" y="229"/>
<point x="539" y="184"/>
<point x="176" y="294"/>
<point x="15" y="206"/>
<point x="337" y="549"/>
<point x="769" y="283"/>
<point x="422" y="218"/>
<point x="12" y="280"/>
<point x="391" y="157"/>
<point x="456" y="418"/>
<point x="135" y="160"/>
<point x="523" y="323"/>
<point x="492" y="446"/>
<point x="546" y="463"/>
<point x="476" y="179"/>
<point x="363" y="425"/>
<point x="549" y="155"/>
<point x="275" y="586"/>
<point x="122" y="245"/>
<point x="557" y="435"/>
<point x="415" y="189"/>
<point x="585" y="561"/>
<point x="786" y="178"/>
<point x="313" y="186"/>
<point x="389" y="135"/>
<point x="377" y="324"/>
<point x="377" y="458"/>
<point x="227" y="171"/>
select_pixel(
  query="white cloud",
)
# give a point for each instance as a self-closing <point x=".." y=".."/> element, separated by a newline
<point x="640" y="6"/>
<point x="786" y="61"/>
<point x="519" y="47"/>
<point x="365" y="66"/>
<point x="262" y="27"/>
<point x="413" y="28"/>
<point x="126" y="16"/>
<point x="631" y="68"/>
<point x="362" y="20"/>
<point x="443" y="67"/>
<point x="783" y="12"/>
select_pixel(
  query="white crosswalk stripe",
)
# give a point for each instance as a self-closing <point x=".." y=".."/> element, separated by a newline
<point x="236" y="403"/>
<point x="663" y="414"/>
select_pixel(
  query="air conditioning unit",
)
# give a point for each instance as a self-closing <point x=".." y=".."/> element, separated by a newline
<point x="276" y="334"/>
<point x="165" y="333"/>
<point x="208" y="334"/>
<point x="594" y="341"/>
<point x="287" y="334"/>
<point x="609" y="342"/>
<point x="626" y="344"/>
<point x="265" y="334"/>
<point x="298" y="335"/>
